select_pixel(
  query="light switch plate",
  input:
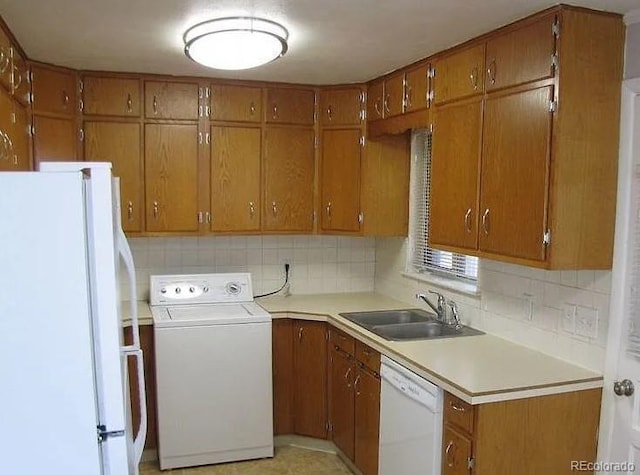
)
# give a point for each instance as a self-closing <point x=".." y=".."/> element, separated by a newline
<point x="569" y="318"/>
<point x="586" y="319"/>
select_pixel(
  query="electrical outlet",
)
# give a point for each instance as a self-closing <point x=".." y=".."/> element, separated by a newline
<point x="586" y="321"/>
<point x="569" y="318"/>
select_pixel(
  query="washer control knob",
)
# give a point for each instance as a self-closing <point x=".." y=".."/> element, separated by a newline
<point x="233" y="288"/>
<point x="178" y="290"/>
<point x="192" y="289"/>
<point x="205" y="289"/>
<point x="163" y="290"/>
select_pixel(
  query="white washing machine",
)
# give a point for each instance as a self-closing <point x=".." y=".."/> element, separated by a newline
<point x="213" y="370"/>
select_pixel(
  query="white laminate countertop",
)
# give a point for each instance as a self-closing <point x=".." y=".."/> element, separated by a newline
<point x="478" y="369"/>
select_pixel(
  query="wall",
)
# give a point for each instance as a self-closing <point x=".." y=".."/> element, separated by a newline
<point x="521" y="304"/>
<point x="632" y="50"/>
<point x="319" y="264"/>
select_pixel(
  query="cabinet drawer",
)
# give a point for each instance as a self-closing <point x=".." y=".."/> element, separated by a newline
<point x="368" y="356"/>
<point x="171" y="100"/>
<point x="458" y="412"/>
<point x="53" y="91"/>
<point x="111" y="96"/>
<point x="341" y="341"/>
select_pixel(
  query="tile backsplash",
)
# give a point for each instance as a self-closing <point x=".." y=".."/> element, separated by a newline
<point x="319" y="264"/>
<point x="532" y="307"/>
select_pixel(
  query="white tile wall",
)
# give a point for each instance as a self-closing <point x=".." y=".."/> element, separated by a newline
<point x="319" y="264"/>
<point x="518" y="303"/>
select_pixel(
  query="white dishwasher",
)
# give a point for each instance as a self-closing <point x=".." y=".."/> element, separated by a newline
<point x="410" y="422"/>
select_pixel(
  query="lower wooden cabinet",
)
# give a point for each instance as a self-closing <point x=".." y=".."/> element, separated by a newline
<point x="367" y="420"/>
<point x="342" y="374"/>
<point x="537" y="435"/>
<point x="282" y="350"/>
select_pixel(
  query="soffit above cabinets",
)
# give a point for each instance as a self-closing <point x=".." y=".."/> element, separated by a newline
<point x="331" y="41"/>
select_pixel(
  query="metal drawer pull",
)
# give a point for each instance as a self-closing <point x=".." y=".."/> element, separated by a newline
<point x="455" y="407"/>
<point x="467" y="220"/>
<point x="485" y="222"/>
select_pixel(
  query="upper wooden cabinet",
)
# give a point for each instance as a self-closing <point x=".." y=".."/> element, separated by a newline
<point x="523" y="54"/>
<point x="455" y="165"/>
<point x="171" y="177"/>
<point x="290" y="106"/>
<point x="5" y="60"/>
<point x="288" y="178"/>
<point x="236" y="103"/>
<point x="111" y="96"/>
<point x="120" y="144"/>
<point x="20" y="77"/>
<point x="55" y="139"/>
<point x="459" y="74"/>
<point x="340" y="180"/>
<point x="393" y="103"/>
<point x="417" y="88"/>
<point x="171" y="100"/>
<point x="375" y="98"/>
<point x="235" y="179"/>
<point x="341" y="106"/>
<point x="20" y="138"/>
<point x="54" y="91"/>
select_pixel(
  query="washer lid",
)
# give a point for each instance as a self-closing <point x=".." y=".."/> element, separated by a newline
<point x="215" y="314"/>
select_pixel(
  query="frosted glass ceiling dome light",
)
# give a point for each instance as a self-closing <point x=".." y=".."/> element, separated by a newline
<point x="235" y="42"/>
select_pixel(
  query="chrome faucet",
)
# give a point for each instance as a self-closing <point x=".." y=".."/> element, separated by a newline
<point x="454" y="313"/>
<point x="440" y="308"/>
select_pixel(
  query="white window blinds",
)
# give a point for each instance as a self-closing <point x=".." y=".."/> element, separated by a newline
<point x="422" y="258"/>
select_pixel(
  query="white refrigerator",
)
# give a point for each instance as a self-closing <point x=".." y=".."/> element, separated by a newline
<point x="64" y="393"/>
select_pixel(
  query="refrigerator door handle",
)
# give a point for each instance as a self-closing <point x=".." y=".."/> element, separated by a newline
<point x="134" y="349"/>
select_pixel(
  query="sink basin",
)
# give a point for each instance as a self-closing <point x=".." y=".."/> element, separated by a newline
<point x="389" y="317"/>
<point x="421" y="331"/>
<point x="407" y="324"/>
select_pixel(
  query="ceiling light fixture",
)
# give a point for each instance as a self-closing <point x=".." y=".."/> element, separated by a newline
<point x="235" y="42"/>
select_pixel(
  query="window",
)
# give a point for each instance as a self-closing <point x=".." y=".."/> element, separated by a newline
<point x="422" y="258"/>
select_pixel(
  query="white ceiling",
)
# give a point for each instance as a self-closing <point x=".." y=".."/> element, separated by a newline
<point x="331" y="41"/>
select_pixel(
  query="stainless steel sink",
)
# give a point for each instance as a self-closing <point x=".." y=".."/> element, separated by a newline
<point x="407" y="324"/>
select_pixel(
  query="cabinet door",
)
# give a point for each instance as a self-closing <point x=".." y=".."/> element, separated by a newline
<point x="288" y="175"/>
<point x="310" y="378"/>
<point x="394" y="95"/>
<point x="282" y="342"/>
<point x="341" y="106"/>
<point x="522" y="55"/>
<point x="170" y="100"/>
<point x="119" y="143"/>
<point x="515" y="173"/>
<point x="367" y="419"/>
<point x="171" y="177"/>
<point x="342" y="416"/>
<point x="385" y="186"/>
<point x="6" y="129"/>
<point x="5" y="61"/>
<point x="20" y="79"/>
<point x="375" y="99"/>
<point x="111" y="96"/>
<point x="456" y="452"/>
<point x="416" y="88"/>
<point x="235" y="178"/>
<point x="459" y="74"/>
<point x="54" y="91"/>
<point x="54" y="139"/>
<point x="290" y="106"/>
<point x="455" y="161"/>
<point x="341" y="179"/>
<point x="236" y="103"/>
<point x="20" y="137"/>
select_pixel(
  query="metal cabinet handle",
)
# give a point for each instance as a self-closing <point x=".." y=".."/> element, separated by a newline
<point x="274" y="208"/>
<point x="329" y="113"/>
<point x="252" y="108"/>
<point x="485" y="222"/>
<point x="386" y="103"/>
<point x="16" y="73"/>
<point x="4" y="58"/>
<point x="328" y="209"/>
<point x="346" y="376"/>
<point x="300" y="332"/>
<point x="155" y="105"/>
<point x="491" y="71"/>
<point x="409" y="97"/>
<point x="200" y="138"/>
<point x="355" y="385"/>
<point x="275" y="111"/>
<point x="207" y="217"/>
<point x="155" y="210"/>
<point x="455" y="407"/>
<point x="252" y="209"/>
<point x="474" y="78"/>
<point x="376" y="106"/>
<point x="129" y="104"/>
<point x="65" y="99"/>
<point x="447" y="452"/>
<point x="130" y="211"/>
<point x="467" y="220"/>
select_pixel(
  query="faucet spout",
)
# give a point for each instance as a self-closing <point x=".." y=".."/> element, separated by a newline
<point x="440" y="309"/>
